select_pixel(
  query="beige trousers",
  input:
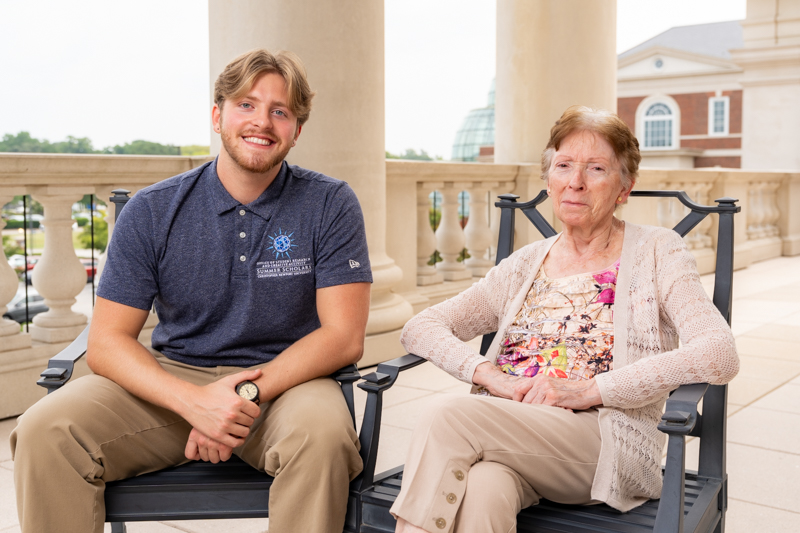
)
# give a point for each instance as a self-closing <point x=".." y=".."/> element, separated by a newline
<point x="71" y="443"/>
<point x="475" y="462"/>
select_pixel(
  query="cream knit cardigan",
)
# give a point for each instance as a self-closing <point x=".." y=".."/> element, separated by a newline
<point x="659" y="302"/>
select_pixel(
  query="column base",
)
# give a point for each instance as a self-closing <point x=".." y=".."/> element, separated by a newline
<point x="479" y="271"/>
<point x="766" y="248"/>
<point x="706" y="260"/>
<point x="8" y="328"/>
<point x="53" y="335"/>
<point x="791" y="245"/>
<point x="18" y="341"/>
<point x="381" y="347"/>
<point x="456" y="275"/>
<point x="429" y="279"/>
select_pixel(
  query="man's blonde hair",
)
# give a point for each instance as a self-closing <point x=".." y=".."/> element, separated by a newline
<point x="241" y="73"/>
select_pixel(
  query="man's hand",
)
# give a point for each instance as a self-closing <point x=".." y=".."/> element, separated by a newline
<point x="201" y="448"/>
<point x="221" y="418"/>
<point x="542" y="390"/>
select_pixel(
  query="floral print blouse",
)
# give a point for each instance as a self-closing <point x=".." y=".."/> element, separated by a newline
<point x="565" y="328"/>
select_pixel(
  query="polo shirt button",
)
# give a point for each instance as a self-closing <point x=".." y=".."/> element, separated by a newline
<point x="243" y="235"/>
<point x="242" y="212"/>
<point x="459" y="475"/>
<point x="242" y="258"/>
<point x="440" y="523"/>
<point x="451" y="498"/>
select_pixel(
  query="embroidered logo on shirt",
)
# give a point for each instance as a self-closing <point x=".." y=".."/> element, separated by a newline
<point x="281" y="244"/>
<point x="284" y="267"/>
<point x="354" y="264"/>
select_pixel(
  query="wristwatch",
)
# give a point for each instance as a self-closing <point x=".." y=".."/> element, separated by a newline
<point x="248" y="390"/>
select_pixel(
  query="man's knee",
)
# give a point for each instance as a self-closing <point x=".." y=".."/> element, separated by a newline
<point x="41" y="427"/>
<point x="313" y="429"/>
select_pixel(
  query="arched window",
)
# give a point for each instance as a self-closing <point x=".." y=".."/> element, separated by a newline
<point x="659" y="124"/>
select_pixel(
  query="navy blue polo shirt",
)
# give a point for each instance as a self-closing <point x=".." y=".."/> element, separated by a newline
<point x="234" y="284"/>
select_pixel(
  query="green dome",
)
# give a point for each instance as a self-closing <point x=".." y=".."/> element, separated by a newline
<point x="476" y="131"/>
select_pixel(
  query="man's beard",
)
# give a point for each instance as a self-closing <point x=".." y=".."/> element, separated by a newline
<point x="258" y="165"/>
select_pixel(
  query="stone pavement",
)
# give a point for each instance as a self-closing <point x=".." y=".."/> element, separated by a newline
<point x="763" y="425"/>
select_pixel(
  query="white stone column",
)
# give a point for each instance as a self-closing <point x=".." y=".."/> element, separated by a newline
<point x="59" y="276"/>
<point x="11" y="337"/>
<point x="450" y="239"/>
<point x="551" y="54"/>
<point x="426" y="240"/>
<point x="341" y="44"/>
<point x="477" y="232"/>
<point x="770" y="59"/>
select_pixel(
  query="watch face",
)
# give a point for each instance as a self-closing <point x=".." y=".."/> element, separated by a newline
<point x="248" y="391"/>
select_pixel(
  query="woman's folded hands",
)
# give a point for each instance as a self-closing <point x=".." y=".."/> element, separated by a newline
<point x="541" y="389"/>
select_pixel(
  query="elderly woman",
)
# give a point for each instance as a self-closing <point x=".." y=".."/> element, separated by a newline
<point x="588" y="326"/>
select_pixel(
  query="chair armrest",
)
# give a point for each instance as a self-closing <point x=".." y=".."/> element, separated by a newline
<point x="374" y="384"/>
<point x="346" y="376"/>
<point x="680" y="414"/>
<point x="60" y="366"/>
<point x="679" y="420"/>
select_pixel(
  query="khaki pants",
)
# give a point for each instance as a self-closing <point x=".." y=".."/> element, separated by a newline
<point x="475" y="462"/>
<point x="71" y="443"/>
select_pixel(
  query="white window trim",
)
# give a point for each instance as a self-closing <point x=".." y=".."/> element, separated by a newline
<point x="726" y="115"/>
<point x="676" y="121"/>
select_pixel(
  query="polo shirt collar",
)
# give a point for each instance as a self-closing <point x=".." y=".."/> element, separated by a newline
<point x="262" y="206"/>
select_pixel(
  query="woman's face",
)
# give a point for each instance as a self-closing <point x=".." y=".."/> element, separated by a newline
<point x="585" y="183"/>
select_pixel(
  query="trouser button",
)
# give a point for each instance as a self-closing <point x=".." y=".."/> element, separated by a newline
<point x="440" y="523"/>
<point x="451" y="498"/>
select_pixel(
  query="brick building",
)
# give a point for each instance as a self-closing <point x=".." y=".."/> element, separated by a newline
<point x="682" y="95"/>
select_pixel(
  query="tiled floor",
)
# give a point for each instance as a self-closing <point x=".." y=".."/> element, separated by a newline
<point x="763" y="424"/>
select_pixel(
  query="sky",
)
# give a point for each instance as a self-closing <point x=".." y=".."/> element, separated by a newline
<point x="117" y="71"/>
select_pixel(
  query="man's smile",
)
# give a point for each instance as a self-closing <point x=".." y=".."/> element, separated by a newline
<point x="257" y="140"/>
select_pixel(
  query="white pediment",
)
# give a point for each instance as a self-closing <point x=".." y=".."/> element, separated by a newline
<point x="658" y="61"/>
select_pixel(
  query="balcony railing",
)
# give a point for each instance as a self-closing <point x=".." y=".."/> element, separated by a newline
<point x="769" y="226"/>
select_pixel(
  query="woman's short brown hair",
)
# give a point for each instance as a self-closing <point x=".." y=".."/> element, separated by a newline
<point x="241" y="73"/>
<point x="605" y="124"/>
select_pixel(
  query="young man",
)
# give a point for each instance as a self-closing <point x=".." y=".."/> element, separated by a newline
<point x="259" y="273"/>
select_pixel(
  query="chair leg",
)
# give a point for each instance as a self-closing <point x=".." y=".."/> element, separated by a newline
<point x="118" y="527"/>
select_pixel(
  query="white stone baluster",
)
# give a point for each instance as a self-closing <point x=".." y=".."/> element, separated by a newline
<point x="702" y="230"/>
<point x="477" y="234"/>
<point x="773" y="212"/>
<point x="59" y="276"/>
<point x="755" y="211"/>
<point x="494" y="219"/>
<point x="426" y="240"/>
<point x="103" y="194"/>
<point x="450" y="237"/>
<point x="664" y="207"/>
<point x="10" y="336"/>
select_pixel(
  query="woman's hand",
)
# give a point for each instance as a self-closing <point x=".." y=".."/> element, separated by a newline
<point x="538" y="389"/>
<point x="573" y="395"/>
<point x="500" y="384"/>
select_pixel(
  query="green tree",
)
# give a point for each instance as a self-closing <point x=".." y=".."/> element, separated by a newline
<point x="144" y="148"/>
<point x="23" y="142"/>
<point x="74" y="145"/>
<point x="413" y="155"/>
<point x="10" y="246"/>
<point x="100" y="235"/>
<point x="195" y="149"/>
